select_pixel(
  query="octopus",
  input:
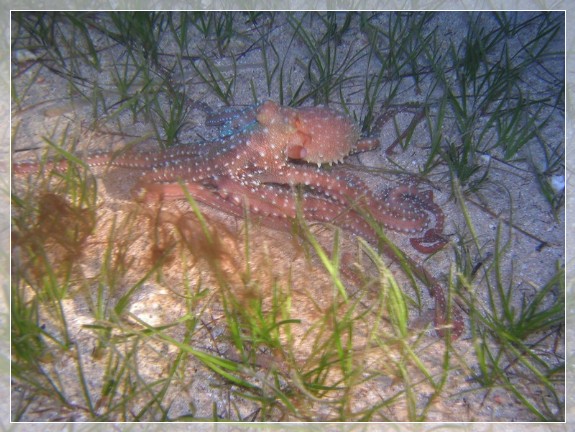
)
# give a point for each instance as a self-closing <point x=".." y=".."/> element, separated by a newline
<point x="277" y="161"/>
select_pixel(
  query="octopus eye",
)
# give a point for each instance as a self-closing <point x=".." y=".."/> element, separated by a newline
<point x="297" y="123"/>
<point x="267" y="113"/>
<point x="296" y="152"/>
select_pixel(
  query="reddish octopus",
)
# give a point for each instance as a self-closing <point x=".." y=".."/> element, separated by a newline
<point x="269" y="149"/>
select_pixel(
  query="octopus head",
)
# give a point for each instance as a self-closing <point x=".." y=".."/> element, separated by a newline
<point x="312" y="134"/>
<point x="328" y="136"/>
